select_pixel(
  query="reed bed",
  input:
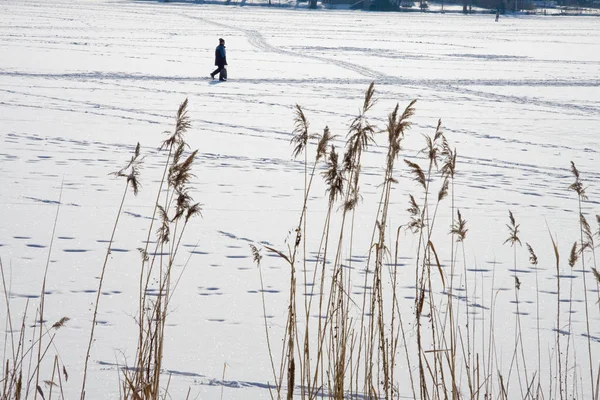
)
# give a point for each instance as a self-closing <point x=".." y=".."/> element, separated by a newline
<point x="340" y="344"/>
<point x="173" y="209"/>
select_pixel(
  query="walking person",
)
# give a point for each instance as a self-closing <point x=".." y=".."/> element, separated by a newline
<point x="220" y="61"/>
<point x="497" y="15"/>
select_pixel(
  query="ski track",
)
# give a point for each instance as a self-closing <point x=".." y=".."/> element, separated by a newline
<point x="485" y="172"/>
<point x="573" y="109"/>
<point x="391" y="81"/>
<point x="257" y="40"/>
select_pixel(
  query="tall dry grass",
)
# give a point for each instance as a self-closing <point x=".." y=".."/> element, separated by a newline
<point x="24" y="354"/>
<point x="361" y="345"/>
<point x="27" y="350"/>
<point x="172" y="210"/>
<point x="358" y="343"/>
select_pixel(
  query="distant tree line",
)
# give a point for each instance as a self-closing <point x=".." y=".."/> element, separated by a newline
<point x="518" y="5"/>
<point x="503" y="5"/>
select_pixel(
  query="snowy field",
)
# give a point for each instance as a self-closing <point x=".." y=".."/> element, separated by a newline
<point x="82" y="81"/>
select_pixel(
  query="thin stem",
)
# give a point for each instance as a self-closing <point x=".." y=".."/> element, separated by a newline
<point x="43" y="293"/>
<point x="87" y="354"/>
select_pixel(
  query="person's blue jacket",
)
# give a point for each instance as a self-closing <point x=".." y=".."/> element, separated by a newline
<point x="220" y="56"/>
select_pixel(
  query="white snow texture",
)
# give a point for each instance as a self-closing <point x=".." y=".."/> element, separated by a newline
<point x="82" y="81"/>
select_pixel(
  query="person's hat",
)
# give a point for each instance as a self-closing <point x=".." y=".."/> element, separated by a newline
<point x="221" y="40"/>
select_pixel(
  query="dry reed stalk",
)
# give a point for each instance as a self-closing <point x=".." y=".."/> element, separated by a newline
<point x="301" y="139"/>
<point x="422" y="226"/>
<point x="573" y="257"/>
<point x="37" y="365"/>
<point x="291" y="366"/>
<point x="131" y="173"/>
<point x="332" y="178"/>
<point x="397" y="125"/>
<point x="12" y="376"/>
<point x="559" y="357"/>
<point x="43" y="291"/>
<point x="578" y="188"/>
<point x="534" y="261"/>
<point x="491" y="343"/>
<point x="257" y="257"/>
<point x="322" y="145"/>
<point x="440" y="344"/>
<point x="340" y="358"/>
<point x="438" y="151"/>
<point x="8" y="322"/>
<point x="420" y="221"/>
<point x="480" y="373"/>
<point x="359" y="137"/>
<point x="448" y="170"/>
<point x="23" y="353"/>
<point x="51" y="382"/>
<point x="143" y="380"/>
<point x="60" y="385"/>
<point x="396" y="306"/>
<point x="320" y="328"/>
<point x="513" y="240"/>
<point x="29" y="376"/>
<point x="597" y="382"/>
<point x="172" y="143"/>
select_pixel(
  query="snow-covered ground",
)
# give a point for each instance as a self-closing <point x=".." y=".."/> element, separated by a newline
<point x="82" y="81"/>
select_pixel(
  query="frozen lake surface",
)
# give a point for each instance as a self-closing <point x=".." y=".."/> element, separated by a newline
<point x="82" y="81"/>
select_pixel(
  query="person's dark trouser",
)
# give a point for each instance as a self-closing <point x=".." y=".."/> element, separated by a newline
<point x="219" y="71"/>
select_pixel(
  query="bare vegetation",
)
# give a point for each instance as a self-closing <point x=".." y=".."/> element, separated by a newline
<point x="337" y="342"/>
<point x="173" y="209"/>
<point x="347" y="344"/>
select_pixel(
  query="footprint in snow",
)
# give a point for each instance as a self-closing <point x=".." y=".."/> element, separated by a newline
<point x="209" y="291"/>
